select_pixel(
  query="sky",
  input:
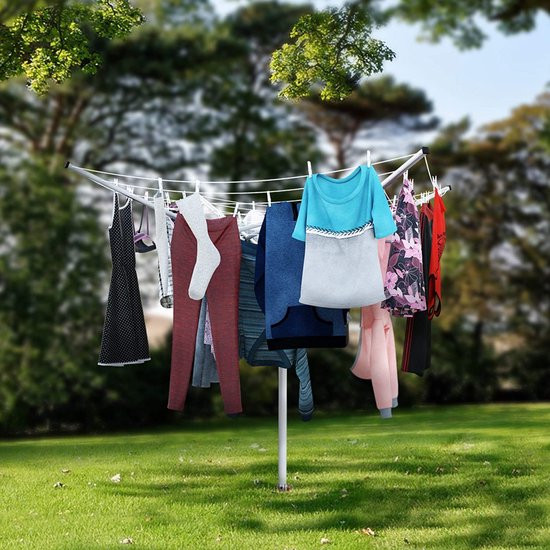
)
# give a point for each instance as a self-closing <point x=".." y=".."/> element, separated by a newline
<point x="484" y="84"/>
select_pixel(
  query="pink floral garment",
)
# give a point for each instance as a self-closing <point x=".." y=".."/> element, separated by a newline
<point x="404" y="284"/>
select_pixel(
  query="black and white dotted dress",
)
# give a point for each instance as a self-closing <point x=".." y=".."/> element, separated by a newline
<point x="124" y="339"/>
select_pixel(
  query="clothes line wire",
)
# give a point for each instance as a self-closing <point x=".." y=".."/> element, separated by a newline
<point x="209" y="192"/>
<point x="150" y="178"/>
<point x="412" y="160"/>
<point x="249" y="205"/>
<point x="428" y="168"/>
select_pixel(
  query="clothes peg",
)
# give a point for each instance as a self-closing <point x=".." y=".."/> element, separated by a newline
<point x="309" y="169"/>
<point x="268" y="198"/>
<point x="197" y="186"/>
<point x="368" y="158"/>
<point x="253" y="205"/>
<point x="167" y="198"/>
<point x="147" y="196"/>
<point x="236" y="209"/>
<point x="115" y="181"/>
<point x="161" y="189"/>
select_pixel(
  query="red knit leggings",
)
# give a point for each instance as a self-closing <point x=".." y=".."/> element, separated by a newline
<point x="223" y="305"/>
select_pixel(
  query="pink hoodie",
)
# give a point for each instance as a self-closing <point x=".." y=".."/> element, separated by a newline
<point x="376" y="358"/>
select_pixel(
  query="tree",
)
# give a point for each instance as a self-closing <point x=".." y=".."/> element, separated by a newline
<point x="497" y="256"/>
<point x="47" y="40"/>
<point x="254" y="134"/>
<point x="52" y="261"/>
<point x="52" y="269"/>
<point x="142" y="112"/>
<point x="332" y="50"/>
<point x="460" y="20"/>
<point x="377" y="106"/>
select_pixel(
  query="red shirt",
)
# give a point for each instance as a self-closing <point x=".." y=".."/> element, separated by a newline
<point x="439" y="238"/>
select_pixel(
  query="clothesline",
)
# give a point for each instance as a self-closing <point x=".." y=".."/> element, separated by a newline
<point x="150" y="178"/>
<point x="282" y="372"/>
<point x="209" y="192"/>
<point x="250" y="205"/>
<point x="247" y="206"/>
<point x="410" y="162"/>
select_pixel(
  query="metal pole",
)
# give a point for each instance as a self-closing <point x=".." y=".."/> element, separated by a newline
<point x="419" y="155"/>
<point x="282" y="485"/>
<point x="114" y="187"/>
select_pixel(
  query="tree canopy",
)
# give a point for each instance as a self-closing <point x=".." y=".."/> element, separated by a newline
<point x="461" y="20"/>
<point x="47" y="40"/>
<point x="330" y="50"/>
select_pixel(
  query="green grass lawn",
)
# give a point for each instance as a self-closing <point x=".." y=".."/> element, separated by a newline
<point x="435" y="478"/>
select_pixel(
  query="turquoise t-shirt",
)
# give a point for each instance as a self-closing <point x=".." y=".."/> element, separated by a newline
<point x="341" y="208"/>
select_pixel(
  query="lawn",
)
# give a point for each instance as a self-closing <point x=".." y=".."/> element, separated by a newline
<point x="435" y="478"/>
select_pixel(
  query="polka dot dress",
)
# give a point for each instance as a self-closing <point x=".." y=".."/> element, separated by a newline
<point x="124" y="339"/>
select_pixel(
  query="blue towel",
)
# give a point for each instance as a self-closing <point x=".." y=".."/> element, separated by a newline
<point x="252" y="342"/>
<point x="278" y="280"/>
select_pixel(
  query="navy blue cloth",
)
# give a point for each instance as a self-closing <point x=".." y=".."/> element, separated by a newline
<point x="205" y="372"/>
<point x="278" y="280"/>
<point x="252" y="343"/>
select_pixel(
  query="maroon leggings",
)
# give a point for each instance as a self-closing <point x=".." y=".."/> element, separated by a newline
<point x="223" y="303"/>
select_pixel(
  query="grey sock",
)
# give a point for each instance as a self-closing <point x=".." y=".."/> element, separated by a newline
<point x="208" y="257"/>
<point x="385" y="413"/>
<point x="394" y="403"/>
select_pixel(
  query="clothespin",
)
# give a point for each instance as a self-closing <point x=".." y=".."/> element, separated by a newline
<point x="197" y="186"/>
<point x="405" y="175"/>
<point x="236" y="209"/>
<point x="161" y="189"/>
<point x="115" y="181"/>
<point x="368" y="158"/>
<point x="147" y="196"/>
<point x="435" y="185"/>
<point x="253" y="205"/>
<point x="167" y="198"/>
<point x="268" y="198"/>
<point x="394" y="202"/>
<point x="309" y="169"/>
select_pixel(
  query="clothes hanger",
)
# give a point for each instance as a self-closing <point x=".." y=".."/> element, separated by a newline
<point x="250" y="224"/>
<point x="436" y="185"/>
<point x="140" y="238"/>
<point x="210" y="211"/>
